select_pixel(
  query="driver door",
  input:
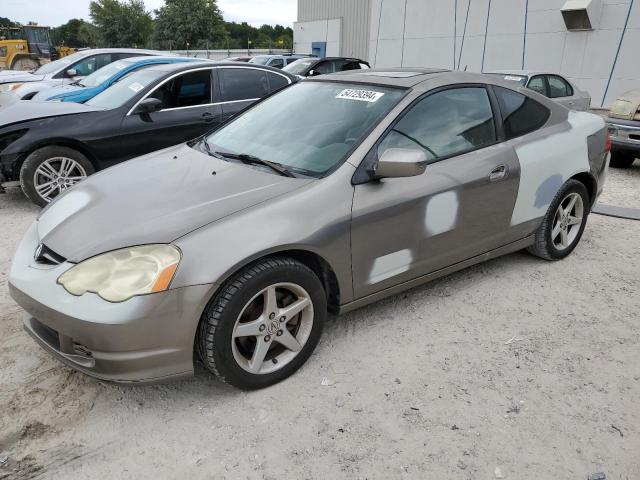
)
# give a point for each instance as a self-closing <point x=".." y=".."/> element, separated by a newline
<point x="460" y="207"/>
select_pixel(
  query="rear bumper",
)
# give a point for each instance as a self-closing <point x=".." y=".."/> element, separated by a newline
<point x="625" y="135"/>
<point x="148" y="338"/>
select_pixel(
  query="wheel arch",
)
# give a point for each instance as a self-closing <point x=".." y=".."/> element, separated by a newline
<point x="591" y="184"/>
<point x="62" y="142"/>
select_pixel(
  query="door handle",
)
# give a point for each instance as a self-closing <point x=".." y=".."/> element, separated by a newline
<point x="498" y="173"/>
<point x="208" y="117"/>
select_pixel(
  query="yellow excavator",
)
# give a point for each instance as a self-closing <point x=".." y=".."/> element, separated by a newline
<point x="28" y="47"/>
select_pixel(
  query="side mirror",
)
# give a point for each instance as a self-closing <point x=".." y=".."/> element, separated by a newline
<point x="401" y="162"/>
<point x="72" y="72"/>
<point x="148" y="105"/>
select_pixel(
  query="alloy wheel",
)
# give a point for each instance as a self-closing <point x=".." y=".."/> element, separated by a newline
<point x="55" y="175"/>
<point x="272" y="328"/>
<point x="567" y="221"/>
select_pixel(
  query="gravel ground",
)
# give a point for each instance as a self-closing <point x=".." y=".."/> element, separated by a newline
<point x="516" y="368"/>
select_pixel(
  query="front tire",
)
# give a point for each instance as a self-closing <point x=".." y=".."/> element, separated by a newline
<point x="564" y="222"/>
<point x="50" y="171"/>
<point x="263" y="324"/>
<point x="622" y="159"/>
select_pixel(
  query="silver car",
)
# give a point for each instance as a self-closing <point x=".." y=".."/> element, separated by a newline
<point x="329" y="195"/>
<point x="19" y="85"/>
<point x="550" y="85"/>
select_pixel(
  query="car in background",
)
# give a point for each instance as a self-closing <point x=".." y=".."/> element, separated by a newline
<point x="47" y="147"/>
<point x="279" y="60"/>
<point x="236" y="59"/>
<point x="90" y="86"/>
<point x="334" y="193"/>
<point x="624" y="127"/>
<point x="550" y="85"/>
<point x="72" y="68"/>
<point x="311" y="67"/>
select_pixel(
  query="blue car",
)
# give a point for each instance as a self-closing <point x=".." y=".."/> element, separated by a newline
<point x="91" y="85"/>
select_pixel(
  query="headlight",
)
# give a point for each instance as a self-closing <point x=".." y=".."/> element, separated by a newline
<point x="119" y="275"/>
<point x="9" y="87"/>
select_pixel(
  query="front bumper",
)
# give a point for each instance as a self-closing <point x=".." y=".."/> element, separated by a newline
<point x="148" y="338"/>
<point x="625" y="135"/>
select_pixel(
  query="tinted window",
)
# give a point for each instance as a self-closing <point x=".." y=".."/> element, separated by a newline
<point x="558" y="87"/>
<point x="344" y="65"/>
<point x="91" y="64"/>
<point x="187" y="90"/>
<point x="537" y="84"/>
<point x="243" y="83"/>
<point x="520" y="113"/>
<point x="124" y="90"/>
<point x="277" y="63"/>
<point x="276" y="82"/>
<point x="324" y="68"/>
<point x="445" y="123"/>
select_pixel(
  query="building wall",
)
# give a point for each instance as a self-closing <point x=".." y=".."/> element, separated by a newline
<point x="349" y="39"/>
<point x="432" y="33"/>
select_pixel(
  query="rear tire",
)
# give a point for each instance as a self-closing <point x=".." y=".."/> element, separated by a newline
<point x="622" y="159"/>
<point x="263" y="324"/>
<point x="49" y="171"/>
<point x="25" y="64"/>
<point x="564" y="222"/>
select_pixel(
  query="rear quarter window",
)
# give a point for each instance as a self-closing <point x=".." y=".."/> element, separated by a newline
<point x="520" y="114"/>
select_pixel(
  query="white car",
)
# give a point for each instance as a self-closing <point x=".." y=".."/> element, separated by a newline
<point x="19" y="85"/>
<point x="550" y="85"/>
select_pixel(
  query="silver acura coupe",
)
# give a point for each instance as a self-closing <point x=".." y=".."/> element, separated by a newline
<point x="329" y="195"/>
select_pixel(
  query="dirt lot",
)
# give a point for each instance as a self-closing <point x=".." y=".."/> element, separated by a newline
<point x="517" y="368"/>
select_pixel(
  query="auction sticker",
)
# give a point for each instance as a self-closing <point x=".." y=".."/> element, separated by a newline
<point x="361" y="95"/>
<point x="136" y="87"/>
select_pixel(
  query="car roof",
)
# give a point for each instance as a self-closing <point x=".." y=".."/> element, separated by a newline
<point x="156" y="58"/>
<point x="392" y="77"/>
<point x="93" y="51"/>
<point x="522" y="73"/>
<point x="180" y="66"/>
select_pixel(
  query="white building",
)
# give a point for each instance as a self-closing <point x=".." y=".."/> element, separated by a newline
<point x="595" y="43"/>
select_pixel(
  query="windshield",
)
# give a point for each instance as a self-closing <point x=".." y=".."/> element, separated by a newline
<point x="53" y="67"/>
<point x="260" y="60"/>
<point x="103" y="74"/>
<point x="299" y="66"/>
<point x="125" y="89"/>
<point x="521" y="79"/>
<point x="309" y="127"/>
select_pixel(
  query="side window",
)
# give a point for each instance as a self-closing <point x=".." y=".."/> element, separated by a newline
<point x="445" y="123"/>
<point x="324" y="67"/>
<point x="91" y="64"/>
<point x="188" y="90"/>
<point x="277" y="63"/>
<point x="520" y="113"/>
<point x="558" y="87"/>
<point x="243" y="83"/>
<point x="537" y="84"/>
<point x="291" y="60"/>
<point x="276" y="82"/>
<point x="345" y="65"/>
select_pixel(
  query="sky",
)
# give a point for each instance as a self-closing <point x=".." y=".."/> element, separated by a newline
<point x="57" y="12"/>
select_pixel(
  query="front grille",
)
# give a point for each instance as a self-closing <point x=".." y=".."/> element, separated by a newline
<point x="45" y="256"/>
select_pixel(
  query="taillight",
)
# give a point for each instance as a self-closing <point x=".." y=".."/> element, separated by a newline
<point x="607" y="143"/>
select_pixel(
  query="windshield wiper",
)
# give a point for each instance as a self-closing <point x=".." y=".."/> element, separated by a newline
<point x="251" y="159"/>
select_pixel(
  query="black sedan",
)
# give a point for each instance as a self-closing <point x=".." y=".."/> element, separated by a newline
<point x="49" y="146"/>
<point x="313" y="66"/>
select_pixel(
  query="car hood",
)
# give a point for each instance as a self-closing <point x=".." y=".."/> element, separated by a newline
<point x="11" y="76"/>
<point x="626" y="105"/>
<point x="23" y="110"/>
<point x="154" y="199"/>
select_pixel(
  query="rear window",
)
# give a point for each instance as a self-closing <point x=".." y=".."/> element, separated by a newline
<point x="520" y="114"/>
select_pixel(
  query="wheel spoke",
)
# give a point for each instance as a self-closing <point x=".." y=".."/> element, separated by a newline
<point x="289" y="341"/>
<point x="47" y="169"/>
<point x="556" y="231"/>
<point x="46" y="194"/>
<point x="564" y="237"/>
<point x="295" y="308"/>
<point x="76" y="179"/>
<point x="575" y="220"/>
<point x="270" y="302"/>
<point x="43" y="186"/>
<point x="259" y="354"/>
<point x="572" y="203"/>
<point x="248" y="329"/>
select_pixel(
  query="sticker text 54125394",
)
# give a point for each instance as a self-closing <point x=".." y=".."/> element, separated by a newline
<point x="361" y="95"/>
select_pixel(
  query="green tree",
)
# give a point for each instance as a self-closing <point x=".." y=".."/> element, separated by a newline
<point x="75" y="33"/>
<point x="7" y="22"/>
<point x="121" y="23"/>
<point x="195" y="24"/>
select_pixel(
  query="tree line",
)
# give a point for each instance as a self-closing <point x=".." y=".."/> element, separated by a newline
<point x="177" y="25"/>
